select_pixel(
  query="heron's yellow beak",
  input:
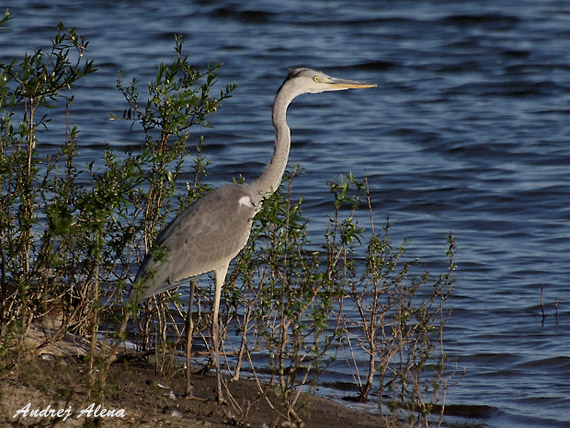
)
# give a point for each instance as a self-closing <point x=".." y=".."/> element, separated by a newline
<point x="349" y="84"/>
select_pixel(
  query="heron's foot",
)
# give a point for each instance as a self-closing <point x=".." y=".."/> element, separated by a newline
<point x="193" y="397"/>
<point x="188" y="390"/>
<point x="220" y="399"/>
<point x="188" y="393"/>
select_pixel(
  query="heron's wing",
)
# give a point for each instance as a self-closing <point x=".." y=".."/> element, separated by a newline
<point x="201" y="238"/>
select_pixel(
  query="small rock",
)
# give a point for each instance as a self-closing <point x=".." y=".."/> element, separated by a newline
<point x="176" y="413"/>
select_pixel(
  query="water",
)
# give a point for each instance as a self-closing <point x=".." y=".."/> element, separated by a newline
<point x="468" y="131"/>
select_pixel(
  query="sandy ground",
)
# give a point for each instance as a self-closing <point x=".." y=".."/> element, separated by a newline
<point x="56" y="389"/>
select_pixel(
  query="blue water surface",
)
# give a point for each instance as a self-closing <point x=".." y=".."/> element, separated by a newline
<point x="467" y="131"/>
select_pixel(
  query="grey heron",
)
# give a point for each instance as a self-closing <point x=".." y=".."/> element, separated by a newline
<point x="208" y="234"/>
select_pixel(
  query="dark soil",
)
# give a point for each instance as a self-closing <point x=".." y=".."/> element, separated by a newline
<point x="146" y="399"/>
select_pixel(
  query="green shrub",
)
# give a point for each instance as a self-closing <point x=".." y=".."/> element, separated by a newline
<point x="67" y="248"/>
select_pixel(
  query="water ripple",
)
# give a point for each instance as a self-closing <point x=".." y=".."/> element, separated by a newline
<point x="467" y="131"/>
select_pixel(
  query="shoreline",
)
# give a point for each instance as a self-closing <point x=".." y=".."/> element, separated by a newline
<point x="48" y="384"/>
<point x="54" y="391"/>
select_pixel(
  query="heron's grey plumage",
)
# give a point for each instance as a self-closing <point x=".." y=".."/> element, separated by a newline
<point x="200" y="239"/>
<point x="208" y="234"/>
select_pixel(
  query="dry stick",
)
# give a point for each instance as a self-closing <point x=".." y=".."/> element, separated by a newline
<point x="351" y="359"/>
<point x="369" y="201"/>
<point x="263" y="393"/>
<point x="94" y="327"/>
<point x="241" y="352"/>
<point x="120" y="338"/>
<point x="542" y="301"/>
<point x="189" y="335"/>
<point x="162" y="352"/>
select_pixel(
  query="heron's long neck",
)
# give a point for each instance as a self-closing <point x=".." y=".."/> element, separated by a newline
<point x="270" y="180"/>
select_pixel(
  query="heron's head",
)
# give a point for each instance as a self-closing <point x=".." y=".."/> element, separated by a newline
<point x="305" y="80"/>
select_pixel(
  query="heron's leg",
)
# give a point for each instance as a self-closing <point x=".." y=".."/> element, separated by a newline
<point x="220" y="274"/>
<point x="189" y="335"/>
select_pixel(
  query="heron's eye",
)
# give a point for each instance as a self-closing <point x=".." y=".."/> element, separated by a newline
<point x="317" y="79"/>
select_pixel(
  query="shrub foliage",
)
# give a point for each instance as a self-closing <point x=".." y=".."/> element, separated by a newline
<point x="70" y="234"/>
